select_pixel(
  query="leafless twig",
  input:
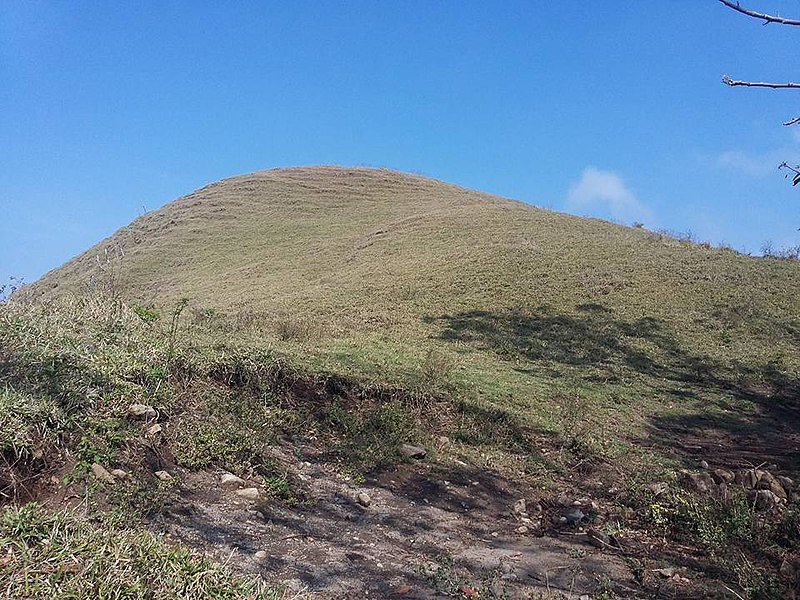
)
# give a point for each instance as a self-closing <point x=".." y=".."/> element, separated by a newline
<point x="757" y="15"/>
<point x="734" y="82"/>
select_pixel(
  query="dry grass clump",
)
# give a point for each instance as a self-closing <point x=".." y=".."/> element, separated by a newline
<point x="46" y="555"/>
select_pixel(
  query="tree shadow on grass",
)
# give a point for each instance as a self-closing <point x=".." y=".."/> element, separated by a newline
<point x="756" y="413"/>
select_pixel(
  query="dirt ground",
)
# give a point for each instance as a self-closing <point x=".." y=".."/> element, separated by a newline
<point x="429" y="530"/>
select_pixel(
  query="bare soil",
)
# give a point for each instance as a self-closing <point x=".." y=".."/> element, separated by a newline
<point x="430" y="530"/>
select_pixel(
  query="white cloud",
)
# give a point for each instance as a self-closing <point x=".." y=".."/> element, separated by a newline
<point x="601" y="193"/>
<point x="755" y="165"/>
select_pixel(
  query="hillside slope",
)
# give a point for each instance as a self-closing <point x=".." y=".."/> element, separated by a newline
<point x="371" y="249"/>
<point x="300" y="327"/>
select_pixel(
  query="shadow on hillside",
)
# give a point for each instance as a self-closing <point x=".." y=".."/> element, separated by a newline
<point x="757" y="416"/>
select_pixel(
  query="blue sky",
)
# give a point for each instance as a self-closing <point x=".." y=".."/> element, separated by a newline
<point x="610" y="108"/>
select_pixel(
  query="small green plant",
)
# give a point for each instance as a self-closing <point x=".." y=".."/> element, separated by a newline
<point x="436" y="367"/>
<point x="604" y="589"/>
<point x="173" y="327"/>
<point x="147" y="315"/>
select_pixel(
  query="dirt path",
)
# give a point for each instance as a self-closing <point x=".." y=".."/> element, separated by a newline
<point x="427" y="529"/>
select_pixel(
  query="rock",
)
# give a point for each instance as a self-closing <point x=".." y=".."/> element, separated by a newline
<point x="657" y="488"/>
<point x="496" y="590"/>
<point x="101" y="474"/>
<point x="699" y="482"/>
<point x="748" y="478"/>
<point x="411" y="451"/>
<point x="142" y="411"/>
<point x="598" y="539"/>
<point x="261" y="555"/>
<point x="229" y="479"/>
<point x="155" y="429"/>
<point x="250" y="493"/>
<point x="294" y="586"/>
<point x="723" y="493"/>
<point x="667" y="572"/>
<point x="119" y="473"/>
<point x="575" y="516"/>
<point x="765" y="478"/>
<point x="776" y="488"/>
<point x="522" y="529"/>
<point x="789" y="569"/>
<point x="763" y="499"/>
<point x="786" y="482"/>
<point x="723" y="475"/>
<point x="363" y="499"/>
<point x="703" y="464"/>
<point x="163" y="475"/>
<point x="519" y="507"/>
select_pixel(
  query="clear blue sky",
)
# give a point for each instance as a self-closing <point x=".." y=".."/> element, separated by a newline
<point x="602" y="107"/>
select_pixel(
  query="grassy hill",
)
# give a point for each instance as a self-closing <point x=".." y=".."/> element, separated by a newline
<point x="371" y="271"/>
<point x="366" y="308"/>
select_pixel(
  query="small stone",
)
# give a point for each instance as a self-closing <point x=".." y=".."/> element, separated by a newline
<point x="699" y="482"/>
<point x="522" y="529"/>
<point x="102" y="474"/>
<point x="519" y="507"/>
<point x="575" y="516"/>
<point x="155" y="429"/>
<point x="786" y="482"/>
<point x="261" y="554"/>
<point x="229" y="479"/>
<point x="667" y="572"/>
<point x="411" y="451"/>
<point x="765" y="477"/>
<point x="119" y="473"/>
<point x="657" y="488"/>
<point x="703" y="464"/>
<point x="763" y="499"/>
<point x="508" y="577"/>
<point x="294" y="586"/>
<point x="142" y="411"/>
<point x="363" y="499"/>
<point x="163" y="475"/>
<point x="788" y="569"/>
<point x="776" y="488"/>
<point x="250" y="493"/>
<point x="723" y="475"/>
<point x="748" y="478"/>
<point x="723" y="494"/>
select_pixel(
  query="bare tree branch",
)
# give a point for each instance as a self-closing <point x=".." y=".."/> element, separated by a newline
<point x="766" y="84"/>
<point x="757" y="15"/>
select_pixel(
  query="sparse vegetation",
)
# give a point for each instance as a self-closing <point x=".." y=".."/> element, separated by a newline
<point x="57" y="555"/>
